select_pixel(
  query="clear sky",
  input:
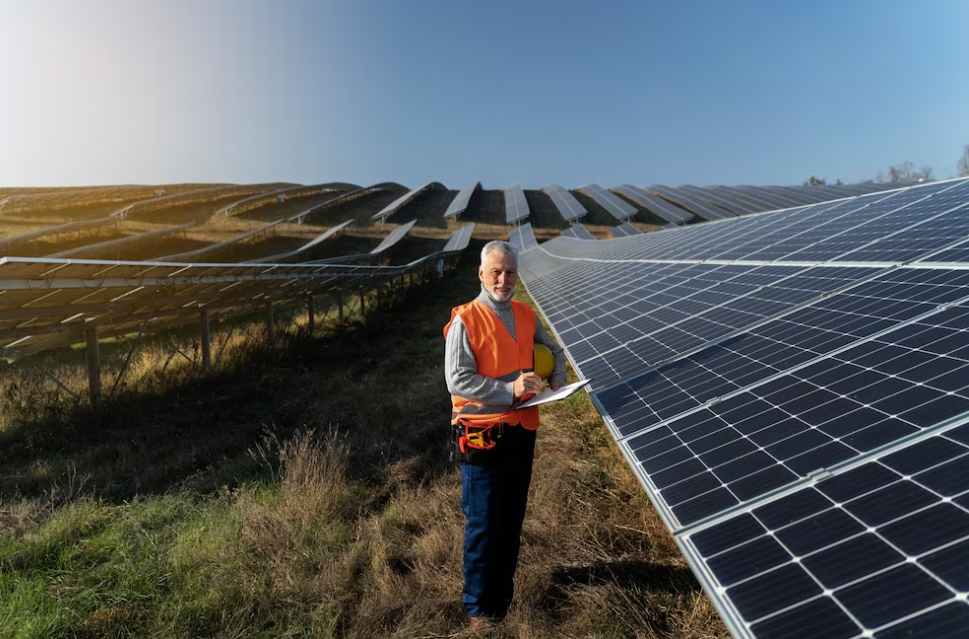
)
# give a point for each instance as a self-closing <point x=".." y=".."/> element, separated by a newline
<point x="412" y="91"/>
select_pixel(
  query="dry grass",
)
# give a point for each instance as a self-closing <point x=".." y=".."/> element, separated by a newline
<point x="303" y="490"/>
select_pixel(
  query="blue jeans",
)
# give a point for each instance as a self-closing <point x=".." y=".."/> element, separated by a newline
<point x="494" y="495"/>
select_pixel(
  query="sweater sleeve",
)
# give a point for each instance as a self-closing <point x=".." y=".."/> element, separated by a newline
<point x="541" y="335"/>
<point x="460" y="371"/>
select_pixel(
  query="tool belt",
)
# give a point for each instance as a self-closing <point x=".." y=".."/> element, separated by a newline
<point x="471" y="444"/>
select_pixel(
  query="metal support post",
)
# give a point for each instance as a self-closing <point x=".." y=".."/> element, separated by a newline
<point x="311" y="310"/>
<point x="93" y="365"/>
<point x="363" y="308"/>
<point x="339" y="305"/>
<point x="270" y="334"/>
<point x="380" y="288"/>
<point x="205" y="338"/>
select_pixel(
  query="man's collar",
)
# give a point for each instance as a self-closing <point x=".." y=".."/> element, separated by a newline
<point x="485" y="298"/>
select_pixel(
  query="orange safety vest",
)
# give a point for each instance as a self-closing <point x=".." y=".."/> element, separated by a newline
<point x="498" y="356"/>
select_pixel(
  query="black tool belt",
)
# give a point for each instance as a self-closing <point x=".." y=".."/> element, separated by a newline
<point x="474" y="444"/>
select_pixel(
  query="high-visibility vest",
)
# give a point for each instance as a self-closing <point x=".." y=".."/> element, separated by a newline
<point x="498" y="356"/>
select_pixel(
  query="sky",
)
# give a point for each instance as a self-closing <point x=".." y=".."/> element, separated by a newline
<point x="496" y="91"/>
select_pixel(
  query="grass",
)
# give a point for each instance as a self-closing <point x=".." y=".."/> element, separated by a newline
<point x="304" y="490"/>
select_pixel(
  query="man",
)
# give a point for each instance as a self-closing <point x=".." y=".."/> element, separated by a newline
<point x="488" y="367"/>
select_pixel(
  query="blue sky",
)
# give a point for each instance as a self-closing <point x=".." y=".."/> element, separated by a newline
<point x="116" y="91"/>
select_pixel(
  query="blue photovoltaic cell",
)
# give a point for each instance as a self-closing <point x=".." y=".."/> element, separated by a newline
<point x="799" y="337"/>
<point x="792" y="390"/>
<point x="886" y="542"/>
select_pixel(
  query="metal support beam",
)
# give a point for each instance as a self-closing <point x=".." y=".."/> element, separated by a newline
<point x="339" y="305"/>
<point x="311" y="311"/>
<point x="93" y="365"/>
<point x="363" y="308"/>
<point x="380" y="301"/>
<point x="270" y="324"/>
<point x="205" y="338"/>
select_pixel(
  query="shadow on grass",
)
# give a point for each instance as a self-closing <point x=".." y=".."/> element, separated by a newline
<point x="628" y="575"/>
<point x="380" y="384"/>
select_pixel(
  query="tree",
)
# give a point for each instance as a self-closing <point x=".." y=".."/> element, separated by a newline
<point x="963" y="164"/>
<point x="813" y="181"/>
<point x="905" y="172"/>
<point x="901" y="172"/>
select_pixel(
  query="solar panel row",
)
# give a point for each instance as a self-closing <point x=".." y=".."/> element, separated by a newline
<point x="516" y="207"/>
<point x="393" y="207"/>
<point x="579" y="232"/>
<point x="47" y="303"/>
<point x="616" y="207"/>
<point x="792" y="390"/>
<point x="461" y="201"/>
<point x="656" y="205"/>
<point x="625" y="230"/>
<point x="698" y="207"/>
<point x="565" y="202"/>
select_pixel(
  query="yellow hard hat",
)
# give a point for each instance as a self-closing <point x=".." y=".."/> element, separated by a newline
<point x="544" y="362"/>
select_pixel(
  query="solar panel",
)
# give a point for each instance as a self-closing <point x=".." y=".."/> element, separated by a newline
<point x="523" y="237"/>
<point x="624" y="230"/>
<point x="279" y="257"/>
<point x="656" y="205"/>
<point x="565" y="202"/>
<point x="460" y="202"/>
<point x="615" y="206"/>
<point x="393" y="207"/>
<point x="516" y="207"/>
<point x="579" y="232"/>
<point x="699" y="207"/>
<point x="460" y="239"/>
<point x="745" y="197"/>
<point x="801" y="422"/>
<point x="710" y="195"/>
<point x="92" y="250"/>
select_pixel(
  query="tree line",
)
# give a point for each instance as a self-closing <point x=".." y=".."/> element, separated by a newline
<point x="905" y="172"/>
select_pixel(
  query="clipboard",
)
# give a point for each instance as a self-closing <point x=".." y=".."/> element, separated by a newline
<point x="553" y="396"/>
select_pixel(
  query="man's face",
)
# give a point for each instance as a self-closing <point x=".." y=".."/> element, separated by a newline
<point x="498" y="275"/>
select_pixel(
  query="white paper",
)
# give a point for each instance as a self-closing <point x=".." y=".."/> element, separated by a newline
<point x="554" y="396"/>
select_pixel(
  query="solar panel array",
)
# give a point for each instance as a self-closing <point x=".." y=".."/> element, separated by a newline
<point x="404" y="199"/>
<point x="565" y="202"/>
<point x="461" y="201"/>
<point x="792" y="390"/>
<point x="624" y="230"/>
<point x="460" y="239"/>
<point x="655" y="204"/>
<point x="280" y="257"/>
<point x="523" y="237"/>
<point x="744" y="200"/>
<point x="579" y="232"/>
<point x="516" y="206"/>
<point x="614" y="205"/>
<point x="47" y="303"/>
<point x="702" y="209"/>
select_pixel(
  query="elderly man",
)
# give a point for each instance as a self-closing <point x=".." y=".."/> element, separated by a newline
<point x="489" y="371"/>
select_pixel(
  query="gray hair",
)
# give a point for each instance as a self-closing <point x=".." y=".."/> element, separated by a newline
<point x="502" y="246"/>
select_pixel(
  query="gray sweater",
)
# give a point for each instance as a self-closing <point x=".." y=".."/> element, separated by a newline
<point x="460" y="366"/>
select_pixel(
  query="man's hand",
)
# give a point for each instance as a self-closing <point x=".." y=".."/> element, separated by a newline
<point x="527" y="384"/>
<point x="556" y="385"/>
